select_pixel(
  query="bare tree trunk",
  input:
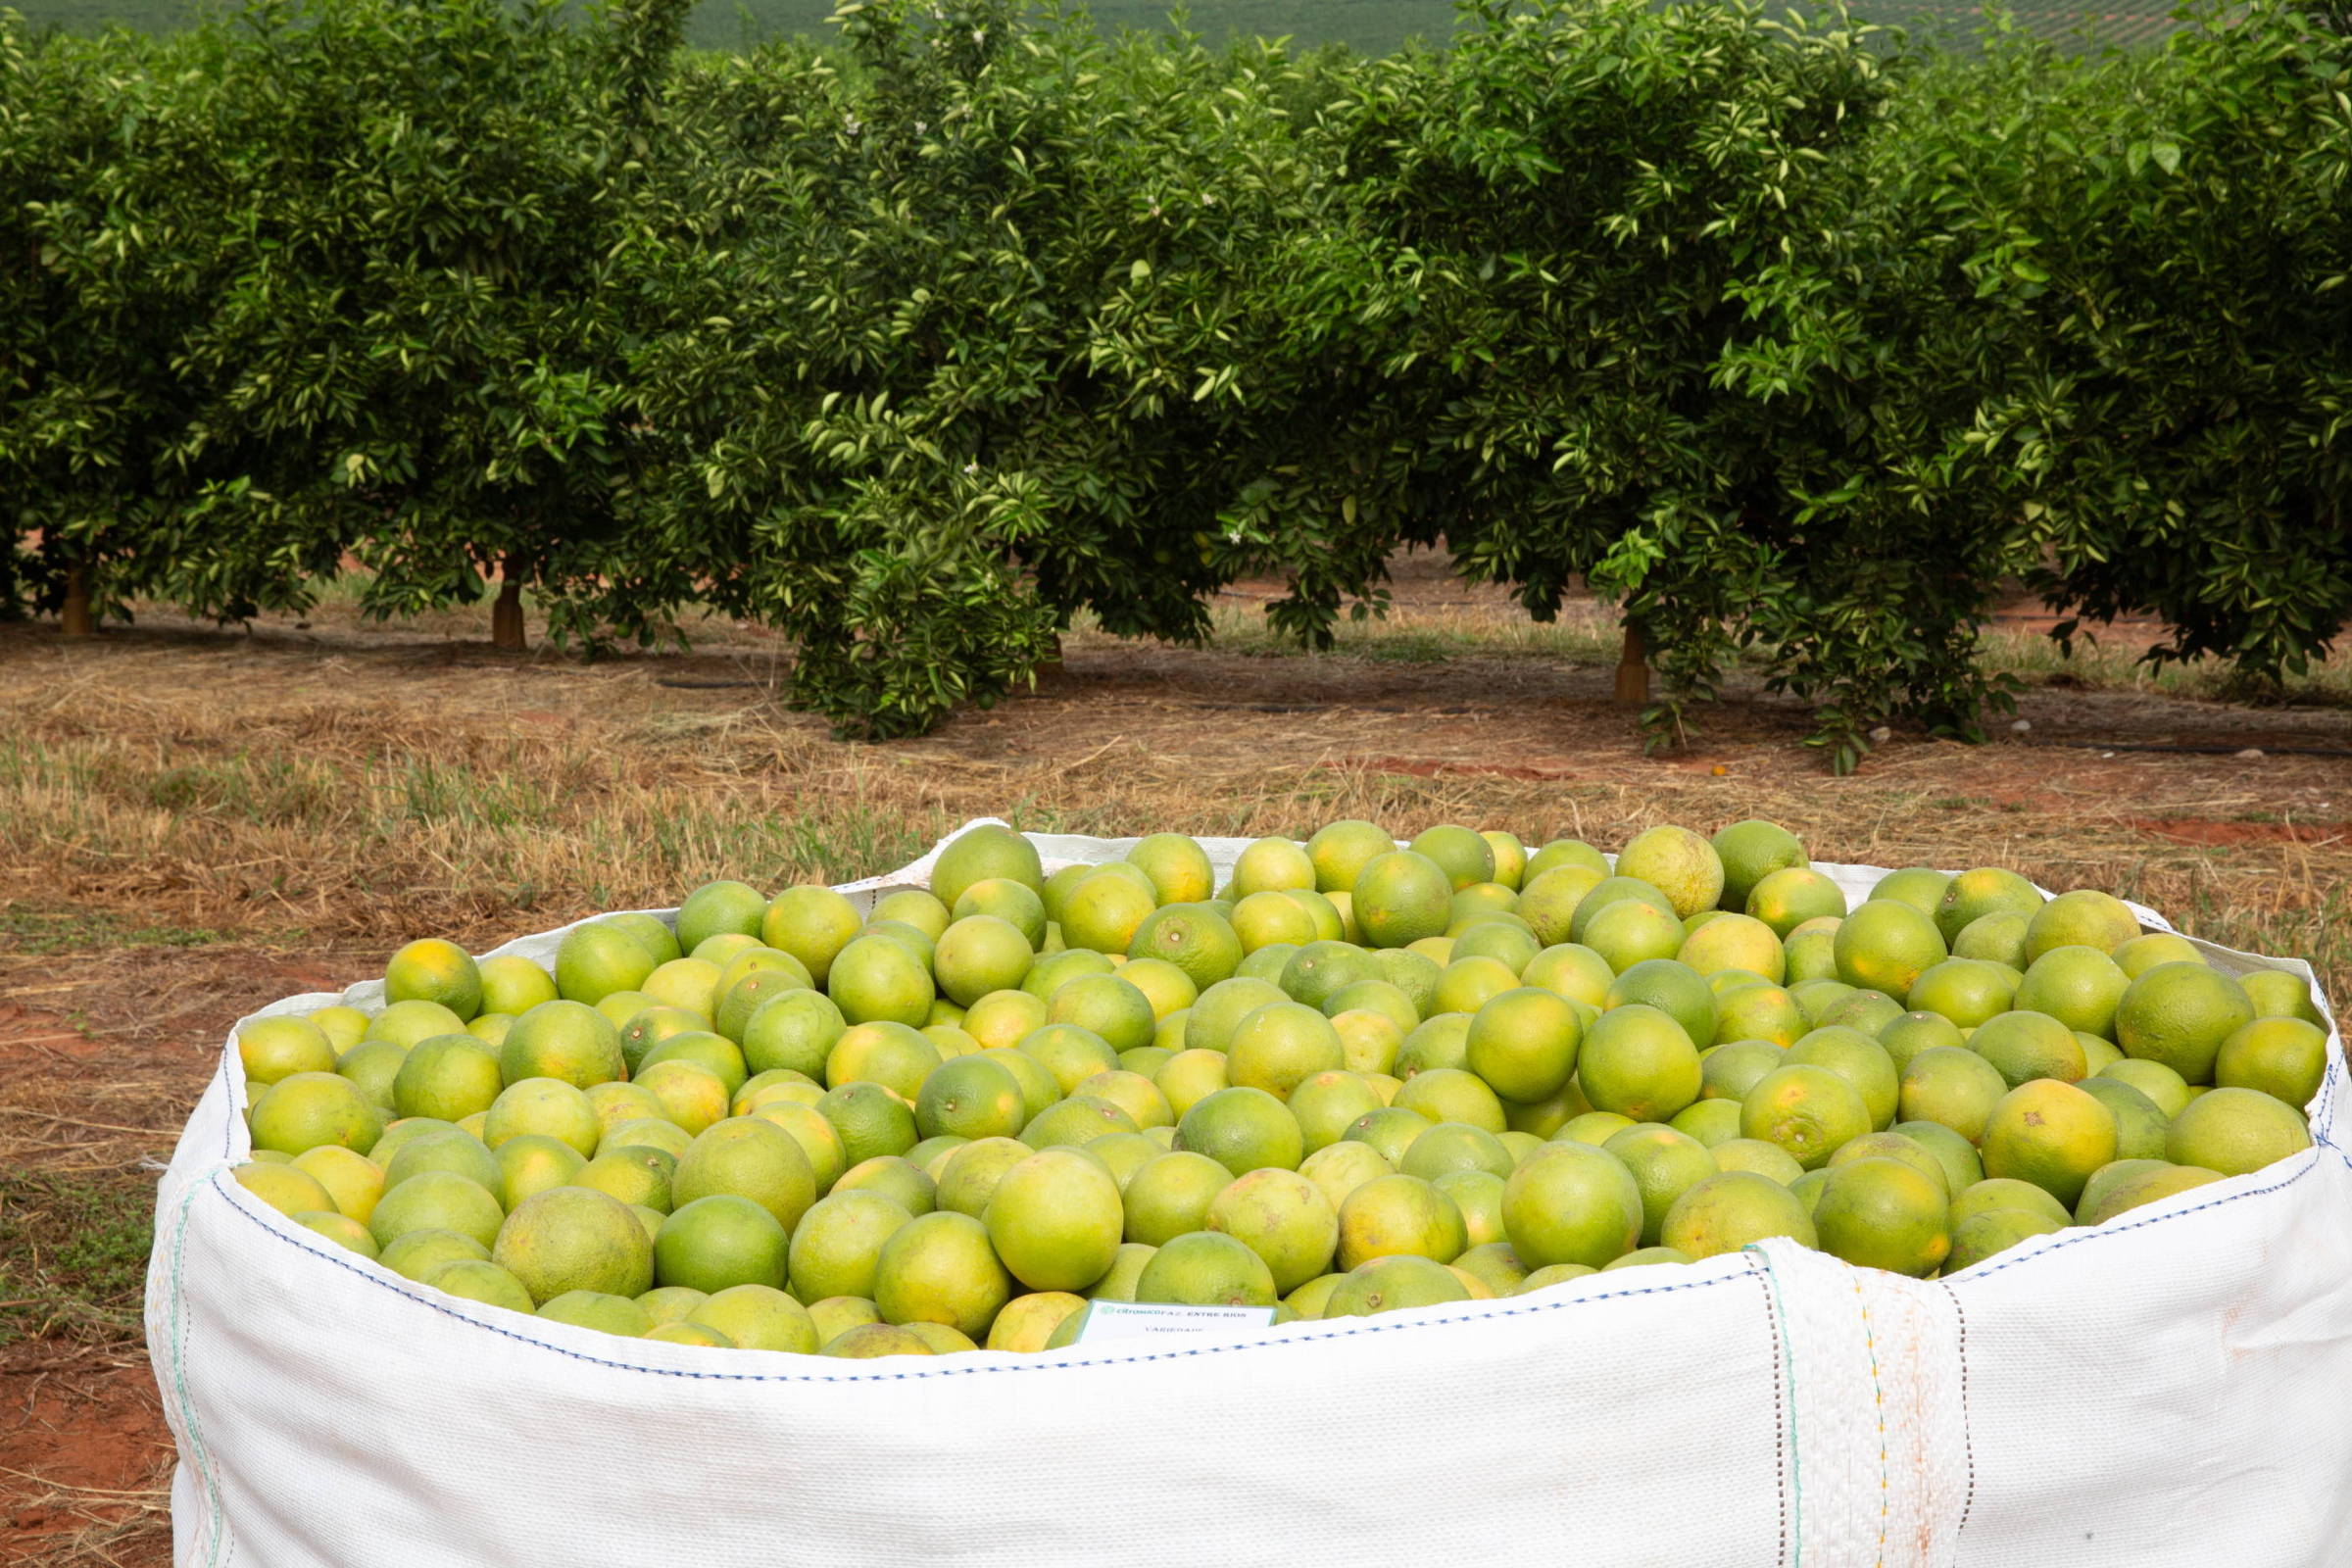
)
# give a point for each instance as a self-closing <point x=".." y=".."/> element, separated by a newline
<point x="506" y="614"/>
<point x="1633" y="668"/>
<point x="79" y="618"/>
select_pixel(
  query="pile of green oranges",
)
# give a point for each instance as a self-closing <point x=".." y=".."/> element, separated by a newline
<point x="1352" y="1078"/>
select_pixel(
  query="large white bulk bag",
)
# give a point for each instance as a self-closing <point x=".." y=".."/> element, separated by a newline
<point x="2171" y="1388"/>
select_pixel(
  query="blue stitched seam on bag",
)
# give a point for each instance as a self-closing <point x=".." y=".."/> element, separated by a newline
<point x="2111" y="1228"/>
<point x="1366" y="1326"/>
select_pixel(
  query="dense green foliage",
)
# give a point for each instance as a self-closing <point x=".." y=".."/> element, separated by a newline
<point x="1794" y="341"/>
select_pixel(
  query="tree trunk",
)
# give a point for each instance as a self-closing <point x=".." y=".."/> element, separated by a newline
<point x="1633" y="668"/>
<point x="79" y="618"/>
<point x="1051" y="667"/>
<point x="506" y="614"/>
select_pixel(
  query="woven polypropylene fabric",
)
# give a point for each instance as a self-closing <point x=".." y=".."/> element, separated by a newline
<point x="2166" y="1388"/>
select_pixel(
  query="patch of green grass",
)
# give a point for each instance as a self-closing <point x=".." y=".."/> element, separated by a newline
<point x="23" y="929"/>
<point x="72" y="1255"/>
<point x="2117" y="665"/>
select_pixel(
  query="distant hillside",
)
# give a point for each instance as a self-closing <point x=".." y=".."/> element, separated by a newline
<point x="1374" y="27"/>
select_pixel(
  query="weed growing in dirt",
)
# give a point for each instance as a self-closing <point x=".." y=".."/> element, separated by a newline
<point x="42" y="932"/>
<point x="72" y="1255"/>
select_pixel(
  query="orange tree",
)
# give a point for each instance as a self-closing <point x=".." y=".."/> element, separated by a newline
<point x="104" y="265"/>
<point x="1559" y="214"/>
<point x="415" y="350"/>
<point x="2084" y="322"/>
<point x="967" y="332"/>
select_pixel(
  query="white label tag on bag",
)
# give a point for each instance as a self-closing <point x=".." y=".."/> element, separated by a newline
<point x="1134" y="1320"/>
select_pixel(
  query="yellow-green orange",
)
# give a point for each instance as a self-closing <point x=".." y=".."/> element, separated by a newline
<point x="1105" y="912"/>
<point x="1452" y="1093"/>
<point x="1665" y="1165"/>
<point x="352" y="1180"/>
<point x="1279" y="1046"/>
<point x="896" y="1056"/>
<point x="970" y="1097"/>
<point x="1242" y="1129"/>
<point x="573" y="1238"/>
<point x="1787" y="898"/>
<point x="2283" y="1058"/>
<point x="1952" y="1085"/>
<point x="1056" y="1220"/>
<point x="1672" y="987"/>
<point x="1679" y="864"/>
<point x="1283" y="1217"/>
<point x="1636" y="1060"/>
<point x="1883" y="1214"/>
<point x="1964" y="991"/>
<point x="720" y="1241"/>
<point x="290" y="1191"/>
<point x="1736" y="942"/>
<point x="1178" y="867"/>
<point x="1752" y="851"/>
<point x="749" y="1157"/>
<point x="600" y="957"/>
<point x="1340" y="852"/>
<point x="812" y="924"/>
<point x="436" y="1199"/>
<point x="1919" y="886"/>
<point x="1170" y="1197"/>
<point x="1402" y="896"/>
<point x="1885" y="945"/>
<point x="306" y="1110"/>
<point x="1726" y="1212"/>
<point x="1393" y="1284"/>
<point x="1028" y="1321"/>
<point x="564" y="1040"/>
<point x="1330" y="1103"/>
<point x="2178" y="1015"/>
<point x="1571" y="1203"/>
<point x="2083" y="917"/>
<point x="875" y="979"/>
<point x="433" y="971"/>
<point x="2026" y="1046"/>
<point x="1627" y="931"/>
<point x="2275" y="992"/>
<point x="474" y="1279"/>
<point x="2078" y="986"/>
<point x="1984" y="891"/>
<point x="980" y="954"/>
<point x="940" y="1268"/>
<point x="870" y="1120"/>
<point x="2051" y="1133"/>
<point x="989" y="850"/>
<point x="1999" y="937"/>
<point x="1206" y="1268"/>
<point x="1393" y="1214"/>
<point x="1194" y="937"/>
<point x="1015" y="904"/>
<point x="270" y="1049"/>
<point x="2234" y="1130"/>
<point x="1806" y="1111"/>
<point x="691" y="1094"/>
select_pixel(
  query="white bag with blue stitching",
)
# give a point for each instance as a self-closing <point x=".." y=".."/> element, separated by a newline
<point x="2171" y="1388"/>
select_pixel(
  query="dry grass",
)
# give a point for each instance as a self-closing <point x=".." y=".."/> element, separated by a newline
<point x="88" y="1527"/>
<point x="173" y="787"/>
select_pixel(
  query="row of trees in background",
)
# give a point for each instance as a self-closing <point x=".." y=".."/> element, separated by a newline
<point x="1797" y="343"/>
